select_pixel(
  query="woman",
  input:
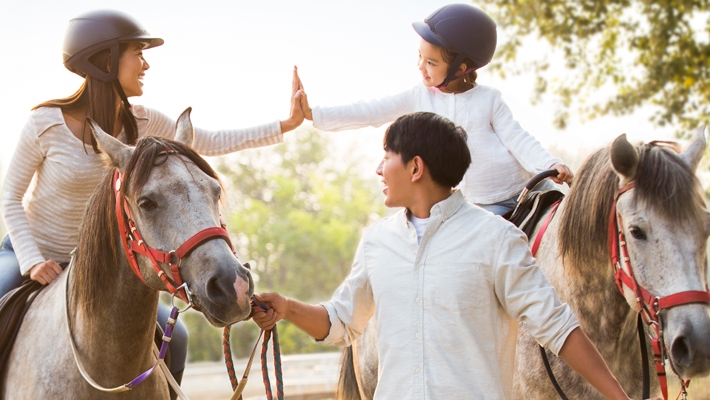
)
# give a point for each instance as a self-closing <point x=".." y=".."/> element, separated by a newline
<point x="106" y="48"/>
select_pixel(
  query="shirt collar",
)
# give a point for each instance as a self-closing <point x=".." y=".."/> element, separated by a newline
<point x="443" y="209"/>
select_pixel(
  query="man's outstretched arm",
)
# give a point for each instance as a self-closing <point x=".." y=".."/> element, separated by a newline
<point x="310" y="318"/>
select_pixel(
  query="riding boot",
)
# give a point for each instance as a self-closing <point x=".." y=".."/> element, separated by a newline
<point x="178" y="379"/>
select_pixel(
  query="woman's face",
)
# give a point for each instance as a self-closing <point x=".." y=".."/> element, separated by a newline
<point x="131" y="69"/>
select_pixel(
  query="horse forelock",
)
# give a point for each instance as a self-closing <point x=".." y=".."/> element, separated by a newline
<point x="99" y="249"/>
<point x="151" y="151"/>
<point x="667" y="184"/>
<point x="663" y="182"/>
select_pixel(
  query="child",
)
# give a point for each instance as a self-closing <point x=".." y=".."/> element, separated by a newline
<point x="458" y="39"/>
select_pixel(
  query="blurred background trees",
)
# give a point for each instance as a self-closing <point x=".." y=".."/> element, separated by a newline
<point x="611" y="56"/>
<point x="296" y="212"/>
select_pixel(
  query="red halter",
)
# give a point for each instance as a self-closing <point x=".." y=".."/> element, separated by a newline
<point x="133" y="243"/>
<point x="650" y="305"/>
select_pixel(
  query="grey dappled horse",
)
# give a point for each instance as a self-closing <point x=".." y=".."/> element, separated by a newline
<point x="171" y="195"/>
<point x="666" y="226"/>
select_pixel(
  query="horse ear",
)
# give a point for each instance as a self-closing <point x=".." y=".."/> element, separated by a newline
<point x="624" y="159"/>
<point x="185" y="133"/>
<point x="695" y="149"/>
<point x="118" y="153"/>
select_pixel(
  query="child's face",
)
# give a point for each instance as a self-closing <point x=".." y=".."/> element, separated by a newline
<point x="431" y="64"/>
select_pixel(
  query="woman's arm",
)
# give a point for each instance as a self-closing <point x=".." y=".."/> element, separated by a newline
<point x="26" y="159"/>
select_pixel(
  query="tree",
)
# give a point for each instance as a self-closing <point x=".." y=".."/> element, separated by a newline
<point x="640" y="51"/>
<point x="296" y="214"/>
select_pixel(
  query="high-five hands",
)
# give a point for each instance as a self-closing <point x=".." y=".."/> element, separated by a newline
<point x="295" y="118"/>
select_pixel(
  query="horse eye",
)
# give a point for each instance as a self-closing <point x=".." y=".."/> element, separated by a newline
<point x="637" y="233"/>
<point x="146" y="204"/>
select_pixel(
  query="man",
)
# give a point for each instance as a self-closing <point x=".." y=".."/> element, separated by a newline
<point x="447" y="281"/>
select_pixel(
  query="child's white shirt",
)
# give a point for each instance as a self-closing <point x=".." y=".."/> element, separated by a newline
<point x="504" y="156"/>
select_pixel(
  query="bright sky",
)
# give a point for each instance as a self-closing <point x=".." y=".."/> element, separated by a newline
<point x="231" y="61"/>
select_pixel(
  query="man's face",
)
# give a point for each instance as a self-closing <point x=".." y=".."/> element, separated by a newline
<point x="397" y="179"/>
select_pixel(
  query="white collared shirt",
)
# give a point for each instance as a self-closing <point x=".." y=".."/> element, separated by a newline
<point x="447" y="309"/>
<point x="503" y="155"/>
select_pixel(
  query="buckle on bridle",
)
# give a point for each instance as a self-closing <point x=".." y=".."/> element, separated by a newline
<point x="188" y="294"/>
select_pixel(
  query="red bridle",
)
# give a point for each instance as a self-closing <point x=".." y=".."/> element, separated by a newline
<point x="133" y="244"/>
<point x="649" y="305"/>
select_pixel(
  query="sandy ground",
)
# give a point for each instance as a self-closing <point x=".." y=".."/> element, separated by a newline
<point x="306" y="376"/>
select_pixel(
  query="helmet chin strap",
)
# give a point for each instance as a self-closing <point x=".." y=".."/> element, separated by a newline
<point x="452" y="71"/>
<point x="121" y="93"/>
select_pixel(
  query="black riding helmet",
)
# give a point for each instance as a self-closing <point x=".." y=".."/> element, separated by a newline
<point x="94" y="31"/>
<point x="463" y="29"/>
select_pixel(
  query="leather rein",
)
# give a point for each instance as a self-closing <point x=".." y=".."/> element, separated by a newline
<point x="650" y="306"/>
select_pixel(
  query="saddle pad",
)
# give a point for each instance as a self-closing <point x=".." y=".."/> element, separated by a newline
<point x="531" y="210"/>
<point x="13" y="307"/>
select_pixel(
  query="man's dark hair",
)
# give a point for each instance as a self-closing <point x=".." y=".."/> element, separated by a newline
<point x="438" y="141"/>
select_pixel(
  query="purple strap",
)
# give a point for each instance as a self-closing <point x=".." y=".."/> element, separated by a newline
<point x="169" y="326"/>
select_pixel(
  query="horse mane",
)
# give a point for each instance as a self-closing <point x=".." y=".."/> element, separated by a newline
<point x="663" y="182"/>
<point x="100" y="250"/>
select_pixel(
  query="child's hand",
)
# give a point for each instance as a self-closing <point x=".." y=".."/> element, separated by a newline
<point x="564" y="174"/>
<point x="276" y="309"/>
<point x="307" y="112"/>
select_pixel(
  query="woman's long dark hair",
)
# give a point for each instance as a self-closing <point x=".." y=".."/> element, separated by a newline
<point x="99" y="99"/>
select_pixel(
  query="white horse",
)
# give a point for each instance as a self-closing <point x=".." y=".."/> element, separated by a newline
<point x="171" y="193"/>
<point x="666" y="225"/>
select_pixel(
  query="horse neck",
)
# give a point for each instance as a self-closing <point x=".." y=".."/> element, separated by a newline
<point x="121" y="334"/>
<point x="603" y="313"/>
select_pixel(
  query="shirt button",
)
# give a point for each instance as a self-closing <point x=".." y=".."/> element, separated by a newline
<point x="416" y="299"/>
<point x="416" y="371"/>
<point x="419" y="265"/>
<point x="417" y="334"/>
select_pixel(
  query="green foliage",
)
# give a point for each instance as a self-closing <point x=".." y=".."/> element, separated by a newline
<point x="641" y="51"/>
<point x="296" y="214"/>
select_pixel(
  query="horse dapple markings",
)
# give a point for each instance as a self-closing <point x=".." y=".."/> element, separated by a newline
<point x="113" y="313"/>
<point x="667" y="227"/>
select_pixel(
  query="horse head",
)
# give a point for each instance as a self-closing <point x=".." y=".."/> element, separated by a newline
<point x="171" y="194"/>
<point x="665" y="227"/>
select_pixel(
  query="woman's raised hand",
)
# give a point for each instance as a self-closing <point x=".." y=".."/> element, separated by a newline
<point x="295" y="118"/>
<point x="307" y="112"/>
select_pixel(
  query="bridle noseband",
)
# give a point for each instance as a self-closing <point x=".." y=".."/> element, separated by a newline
<point x="650" y="305"/>
<point x="133" y="244"/>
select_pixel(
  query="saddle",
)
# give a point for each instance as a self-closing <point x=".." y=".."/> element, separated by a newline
<point x="529" y="212"/>
<point x="13" y="307"/>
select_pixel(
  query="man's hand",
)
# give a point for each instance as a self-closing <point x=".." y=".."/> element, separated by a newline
<point x="276" y="310"/>
<point x="45" y="272"/>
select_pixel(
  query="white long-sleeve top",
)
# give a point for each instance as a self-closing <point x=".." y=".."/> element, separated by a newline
<point x="67" y="172"/>
<point x="503" y="155"/>
<point x="447" y="309"/>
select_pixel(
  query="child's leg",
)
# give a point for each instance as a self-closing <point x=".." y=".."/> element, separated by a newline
<point x="500" y="207"/>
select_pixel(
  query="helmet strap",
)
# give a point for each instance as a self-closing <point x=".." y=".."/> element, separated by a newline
<point x="121" y="93"/>
<point x="452" y="71"/>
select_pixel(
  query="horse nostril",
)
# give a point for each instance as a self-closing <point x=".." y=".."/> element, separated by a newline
<point x="216" y="290"/>
<point x="681" y="352"/>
